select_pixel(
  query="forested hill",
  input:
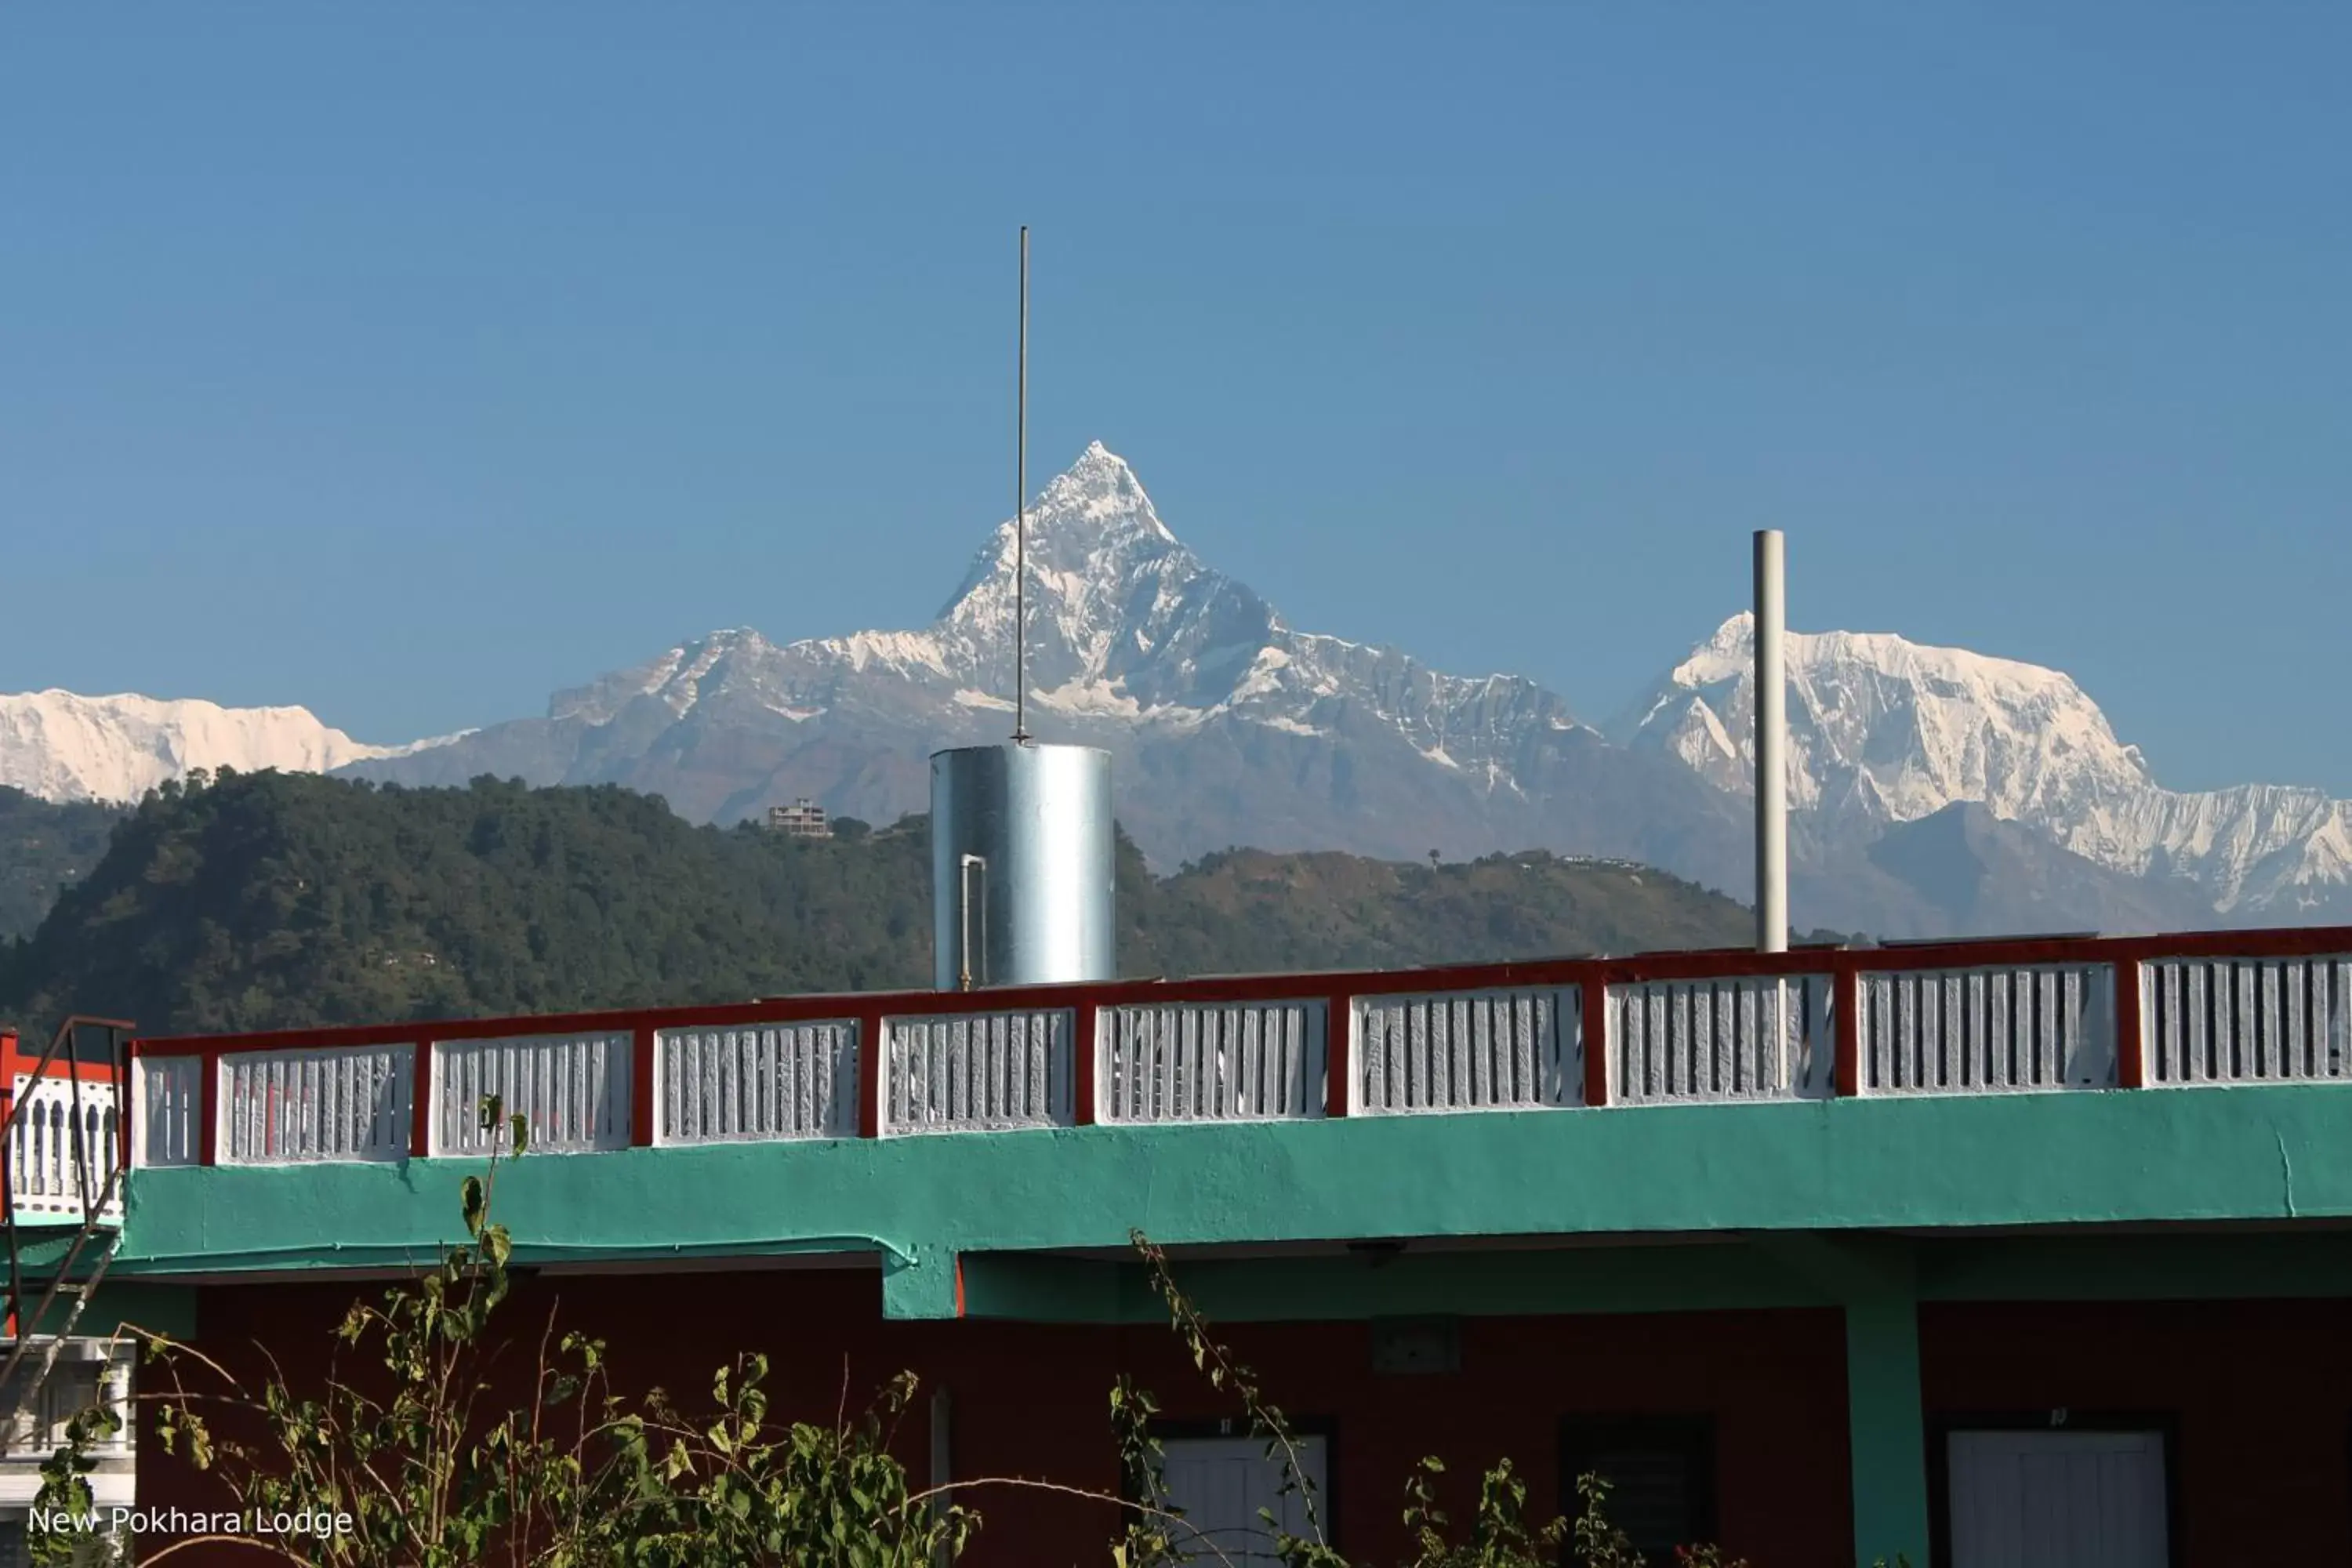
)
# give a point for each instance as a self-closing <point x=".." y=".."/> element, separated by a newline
<point x="271" y="901"/>
<point x="44" y="847"/>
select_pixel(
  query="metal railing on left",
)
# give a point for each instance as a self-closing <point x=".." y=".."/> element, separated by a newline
<point x="64" y="1133"/>
<point x="63" y="1147"/>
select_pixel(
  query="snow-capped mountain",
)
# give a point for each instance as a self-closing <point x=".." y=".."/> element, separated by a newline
<point x="60" y="746"/>
<point x="1884" y="731"/>
<point x="1935" y="789"/>
<point x="1229" y="725"/>
<point x="1126" y="623"/>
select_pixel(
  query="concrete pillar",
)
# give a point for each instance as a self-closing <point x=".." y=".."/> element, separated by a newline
<point x="1886" y="1428"/>
<point x="1876" y="1278"/>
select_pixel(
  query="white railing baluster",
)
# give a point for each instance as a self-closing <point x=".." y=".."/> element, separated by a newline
<point x="573" y="1091"/>
<point x="1421" y="1052"/>
<point x="1991" y="1030"/>
<point x="969" y="1072"/>
<point x="2246" y="1020"/>
<point x="759" y="1081"/>
<point x="285" y="1107"/>
<point x="1212" y="1061"/>
<point x="1732" y="1038"/>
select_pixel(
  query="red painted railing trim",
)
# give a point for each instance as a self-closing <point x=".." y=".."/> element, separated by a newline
<point x="1688" y="965"/>
<point x="1338" y="1052"/>
<point x="1594" y="1001"/>
<point x="126" y="1100"/>
<point x="25" y="1061"/>
<point x="2131" y="1036"/>
<point x="208" y="1106"/>
<point x="640" y="1086"/>
<point x="1083" y="1028"/>
<point x="869" y="1074"/>
<point x="1845" y="1022"/>
<point x="420" y="1111"/>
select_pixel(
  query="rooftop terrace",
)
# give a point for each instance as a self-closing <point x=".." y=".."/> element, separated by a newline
<point x="1973" y="1085"/>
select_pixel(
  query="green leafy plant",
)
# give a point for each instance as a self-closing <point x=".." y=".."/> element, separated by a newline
<point x="726" y="1491"/>
<point x="1266" y="1422"/>
<point x="1149" y="1537"/>
<point x="429" y="1473"/>
<point x="65" y="1487"/>
<point x="1499" y="1535"/>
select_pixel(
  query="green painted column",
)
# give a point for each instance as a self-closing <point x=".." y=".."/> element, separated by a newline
<point x="1886" y="1428"/>
<point x="922" y="1282"/>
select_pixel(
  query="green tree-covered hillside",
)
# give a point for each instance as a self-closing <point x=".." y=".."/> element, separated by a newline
<point x="45" y="847"/>
<point x="270" y="901"/>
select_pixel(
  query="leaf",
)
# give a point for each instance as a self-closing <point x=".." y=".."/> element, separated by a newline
<point x="475" y="1205"/>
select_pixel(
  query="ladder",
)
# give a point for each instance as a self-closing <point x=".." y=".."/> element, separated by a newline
<point x="28" y="1331"/>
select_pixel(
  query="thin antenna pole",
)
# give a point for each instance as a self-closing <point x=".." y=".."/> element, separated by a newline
<point x="1021" y="516"/>
<point x="1771" y="743"/>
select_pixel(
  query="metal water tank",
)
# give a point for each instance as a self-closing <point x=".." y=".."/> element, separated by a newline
<point x="1022" y="866"/>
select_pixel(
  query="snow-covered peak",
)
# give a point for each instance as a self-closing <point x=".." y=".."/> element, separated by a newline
<point x="62" y="746"/>
<point x="1893" y="731"/>
<point x="1094" y="516"/>
<point x="1124" y="623"/>
<point x="1100" y="493"/>
<point x="2005" y="683"/>
<point x="1730" y="654"/>
<point x="1113" y="599"/>
<point x="1897" y="728"/>
<point x="675" y="677"/>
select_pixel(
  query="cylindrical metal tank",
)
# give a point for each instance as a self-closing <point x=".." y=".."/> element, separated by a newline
<point x="1022" y="866"/>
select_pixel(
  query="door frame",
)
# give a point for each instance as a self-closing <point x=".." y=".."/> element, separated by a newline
<point x="1327" y="1501"/>
<point x="2166" y="1424"/>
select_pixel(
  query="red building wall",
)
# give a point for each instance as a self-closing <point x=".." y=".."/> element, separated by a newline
<point x="1033" y="1400"/>
<point x="2259" y="1395"/>
<point x="2261" y="1392"/>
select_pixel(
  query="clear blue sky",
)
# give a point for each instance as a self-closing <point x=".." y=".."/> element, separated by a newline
<point x="411" y="362"/>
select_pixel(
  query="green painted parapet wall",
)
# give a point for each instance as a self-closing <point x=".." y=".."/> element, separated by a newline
<point x="921" y="1203"/>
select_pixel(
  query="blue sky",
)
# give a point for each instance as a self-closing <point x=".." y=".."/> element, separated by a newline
<point x="409" y="362"/>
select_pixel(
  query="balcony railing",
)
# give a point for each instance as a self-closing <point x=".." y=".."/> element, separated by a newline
<point x="2044" y="1015"/>
<point x="65" y="1145"/>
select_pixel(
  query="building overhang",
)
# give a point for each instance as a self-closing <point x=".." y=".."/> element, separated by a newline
<point x="2074" y="1166"/>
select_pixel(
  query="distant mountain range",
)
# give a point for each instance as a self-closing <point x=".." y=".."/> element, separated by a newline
<point x="1882" y="731"/>
<point x="63" y="747"/>
<point x="1936" y="790"/>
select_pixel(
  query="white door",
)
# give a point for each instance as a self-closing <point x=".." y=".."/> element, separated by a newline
<point x="2058" y="1500"/>
<point x="1222" y="1482"/>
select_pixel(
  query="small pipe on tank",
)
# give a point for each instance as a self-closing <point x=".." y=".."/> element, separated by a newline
<point x="964" y="869"/>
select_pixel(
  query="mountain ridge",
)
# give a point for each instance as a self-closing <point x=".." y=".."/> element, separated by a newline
<point x="2023" y="740"/>
<point x="1232" y="726"/>
<point x="62" y="746"/>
